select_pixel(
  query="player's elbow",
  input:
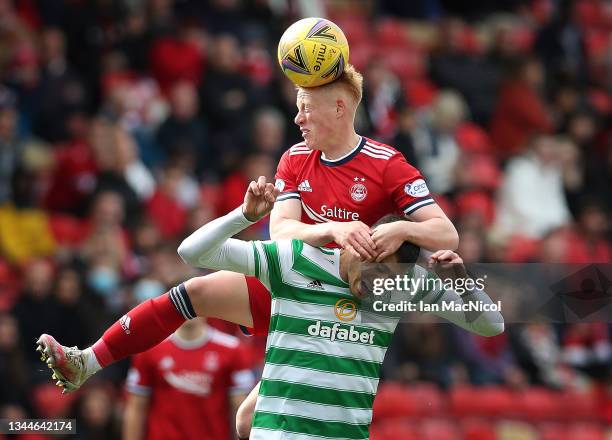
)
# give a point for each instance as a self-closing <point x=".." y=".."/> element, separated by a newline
<point x="187" y="253"/>
<point x="492" y="328"/>
<point x="452" y="236"/>
<point x="244" y="419"/>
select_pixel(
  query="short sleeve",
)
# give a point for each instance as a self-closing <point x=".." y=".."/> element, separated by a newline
<point x="406" y="185"/>
<point x="140" y="375"/>
<point x="286" y="179"/>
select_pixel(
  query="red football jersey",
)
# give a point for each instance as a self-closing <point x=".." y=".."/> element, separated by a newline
<point x="189" y="383"/>
<point x="369" y="182"/>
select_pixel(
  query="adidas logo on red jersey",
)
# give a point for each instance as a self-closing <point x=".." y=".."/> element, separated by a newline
<point x="305" y="186"/>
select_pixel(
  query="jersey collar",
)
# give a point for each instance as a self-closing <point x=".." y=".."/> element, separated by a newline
<point x="344" y="159"/>
<point x="194" y="343"/>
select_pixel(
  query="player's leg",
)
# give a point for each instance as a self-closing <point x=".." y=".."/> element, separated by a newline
<point x="225" y="294"/>
<point x="222" y="295"/>
<point x="244" y="415"/>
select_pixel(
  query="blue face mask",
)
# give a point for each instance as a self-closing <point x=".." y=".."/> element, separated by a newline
<point x="147" y="289"/>
<point x="103" y="280"/>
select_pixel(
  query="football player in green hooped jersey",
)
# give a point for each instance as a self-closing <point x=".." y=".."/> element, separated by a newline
<point x="322" y="359"/>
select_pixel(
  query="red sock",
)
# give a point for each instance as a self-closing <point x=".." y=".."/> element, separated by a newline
<point x="143" y="327"/>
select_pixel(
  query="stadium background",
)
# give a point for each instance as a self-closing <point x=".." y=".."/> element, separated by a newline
<point x="126" y="124"/>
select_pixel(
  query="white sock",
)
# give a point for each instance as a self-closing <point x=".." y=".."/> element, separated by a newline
<point x="91" y="362"/>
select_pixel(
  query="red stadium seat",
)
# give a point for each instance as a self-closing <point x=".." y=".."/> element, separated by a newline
<point x="391" y="402"/>
<point x="420" y="92"/>
<point x="521" y="249"/>
<point x="406" y="64"/>
<point x="579" y="406"/>
<point x="355" y="27"/>
<point x="553" y="431"/>
<point x="439" y="429"/>
<point x="49" y="401"/>
<point x="585" y="431"/>
<point x="394" y="429"/>
<point x="427" y="399"/>
<point x="477" y="429"/>
<point x="66" y="229"/>
<point x="540" y="404"/>
<point x="483" y="402"/>
<point x="472" y="138"/>
<point x="392" y="33"/>
<point x="464" y="401"/>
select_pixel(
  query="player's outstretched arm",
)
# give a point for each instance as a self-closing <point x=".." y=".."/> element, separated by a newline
<point x="484" y="320"/>
<point x="429" y="229"/>
<point x="211" y="246"/>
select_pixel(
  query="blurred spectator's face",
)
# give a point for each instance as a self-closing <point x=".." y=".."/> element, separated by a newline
<point x="8" y="123"/>
<point x="566" y="99"/>
<point x="226" y="53"/>
<point x="53" y="44"/>
<point x="533" y="74"/>
<point x="200" y="215"/>
<point x="108" y="209"/>
<point x="545" y="148"/>
<point x="147" y="237"/>
<point x="259" y="165"/>
<point x="136" y="23"/>
<point x="171" y="179"/>
<point x="594" y="220"/>
<point x="377" y="75"/>
<point x="38" y="278"/>
<point x="68" y="288"/>
<point x="553" y="248"/>
<point x="451" y="34"/>
<point x="316" y="117"/>
<point x="269" y="132"/>
<point x="582" y="128"/>
<point x="184" y="100"/>
<point x="97" y="407"/>
<point x="25" y="65"/>
<point x="471" y="246"/>
<point x="9" y="333"/>
<point x="449" y="111"/>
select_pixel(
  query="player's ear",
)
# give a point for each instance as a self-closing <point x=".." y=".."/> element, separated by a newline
<point x="340" y="107"/>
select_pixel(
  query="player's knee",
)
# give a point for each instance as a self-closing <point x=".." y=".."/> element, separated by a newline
<point x="199" y="291"/>
<point x="244" y="418"/>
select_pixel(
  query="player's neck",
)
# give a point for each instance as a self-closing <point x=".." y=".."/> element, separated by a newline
<point x="342" y="147"/>
<point x="191" y="334"/>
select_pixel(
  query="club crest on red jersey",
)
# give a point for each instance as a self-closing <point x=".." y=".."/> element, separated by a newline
<point x="358" y="191"/>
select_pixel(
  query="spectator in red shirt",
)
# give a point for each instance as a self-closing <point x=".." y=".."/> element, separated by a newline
<point x="180" y="57"/>
<point x="187" y="387"/>
<point x="520" y="111"/>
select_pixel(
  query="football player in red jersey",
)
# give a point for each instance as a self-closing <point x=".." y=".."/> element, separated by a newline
<point x="333" y="184"/>
<point x="187" y="386"/>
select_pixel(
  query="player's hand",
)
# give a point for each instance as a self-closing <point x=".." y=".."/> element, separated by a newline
<point x="445" y="257"/>
<point x="388" y="237"/>
<point x="356" y="238"/>
<point x="259" y="199"/>
<point x="447" y="264"/>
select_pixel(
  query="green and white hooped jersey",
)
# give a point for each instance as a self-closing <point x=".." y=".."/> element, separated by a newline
<point x="322" y="363"/>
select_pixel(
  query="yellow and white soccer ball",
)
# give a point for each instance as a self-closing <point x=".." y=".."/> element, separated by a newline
<point x="312" y="52"/>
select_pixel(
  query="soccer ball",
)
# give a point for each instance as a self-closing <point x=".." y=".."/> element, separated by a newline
<point x="313" y="52"/>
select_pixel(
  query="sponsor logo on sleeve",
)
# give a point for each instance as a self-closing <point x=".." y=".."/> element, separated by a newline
<point x="280" y="184"/>
<point x="418" y="188"/>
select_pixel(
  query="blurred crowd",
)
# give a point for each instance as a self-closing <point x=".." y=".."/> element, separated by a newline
<point x="126" y="124"/>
